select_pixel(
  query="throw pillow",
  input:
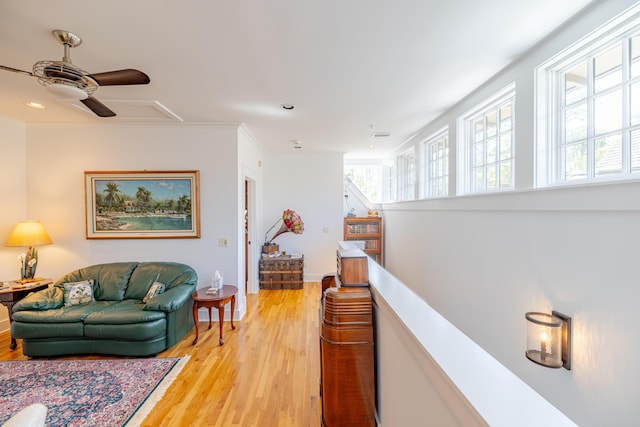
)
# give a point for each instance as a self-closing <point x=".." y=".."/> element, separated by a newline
<point x="155" y="289"/>
<point x="78" y="292"/>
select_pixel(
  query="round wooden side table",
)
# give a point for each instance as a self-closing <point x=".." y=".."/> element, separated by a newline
<point x="218" y="300"/>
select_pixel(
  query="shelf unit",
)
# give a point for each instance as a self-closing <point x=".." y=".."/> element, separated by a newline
<point x="367" y="230"/>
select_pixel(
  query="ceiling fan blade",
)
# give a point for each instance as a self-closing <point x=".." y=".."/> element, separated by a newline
<point x="15" y="70"/>
<point x="97" y="107"/>
<point x="127" y="76"/>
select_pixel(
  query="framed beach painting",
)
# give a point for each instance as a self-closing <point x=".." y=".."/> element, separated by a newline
<point x="142" y="204"/>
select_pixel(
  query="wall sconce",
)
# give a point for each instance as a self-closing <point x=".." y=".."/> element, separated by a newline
<point x="549" y="339"/>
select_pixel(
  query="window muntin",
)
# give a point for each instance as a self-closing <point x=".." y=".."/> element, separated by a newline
<point x="406" y="175"/>
<point x="435" y="165"/>
<point x="600" y="113"/>
<point x="588" y="102"/>
<point x="489" y="144"/>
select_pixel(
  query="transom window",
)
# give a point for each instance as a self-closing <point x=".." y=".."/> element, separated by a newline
<point x="487" y="159"/>
<point x="589" y="108"/>
<point x="435" y="165"/>
<point x="406" y="175"/>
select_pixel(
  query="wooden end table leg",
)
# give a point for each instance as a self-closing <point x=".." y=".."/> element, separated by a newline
<point x="220" y="320"/>
<point x="13" y="344"/>
<point x="233" y="310"/>
<point x="195" y="320"/>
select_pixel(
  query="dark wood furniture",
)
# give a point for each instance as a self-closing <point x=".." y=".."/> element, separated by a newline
<point x="203" y="299"/>
<point x="353" y="267"/>
<point x="281" y="272"/>
<point x="347" y="364"/>
<point x="368" y="230"/>
<point x="14" y="293"/>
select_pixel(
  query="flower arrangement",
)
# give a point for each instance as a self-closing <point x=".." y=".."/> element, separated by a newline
<point x="28" y="264"/>
<point x="291" y="222"/>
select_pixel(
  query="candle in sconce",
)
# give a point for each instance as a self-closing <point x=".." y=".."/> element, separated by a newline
<point x="543" y="345"/>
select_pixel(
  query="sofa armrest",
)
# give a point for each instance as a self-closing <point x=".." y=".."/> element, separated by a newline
<point x="172" y="299"/>
<point x="45" y="299"/>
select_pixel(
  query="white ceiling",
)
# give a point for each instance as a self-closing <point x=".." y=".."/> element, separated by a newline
<point x="350" y="67"/>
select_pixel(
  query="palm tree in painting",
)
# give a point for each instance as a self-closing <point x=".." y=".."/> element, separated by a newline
<point x="113" y="196"/>
<point x="144" y="198"/>
<point x="183" y="203"/>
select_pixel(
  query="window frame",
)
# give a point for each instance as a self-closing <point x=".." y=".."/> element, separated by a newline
<point x="406" y="175"/>
<point x="466" y="139"/>
<point x="549" y="105"/>
<point x="427" y="160"/>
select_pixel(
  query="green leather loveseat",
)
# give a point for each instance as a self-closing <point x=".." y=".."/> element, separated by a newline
<point x="115" y="320"/>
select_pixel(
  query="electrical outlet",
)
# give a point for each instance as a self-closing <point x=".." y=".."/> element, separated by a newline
<point x="223" y="242"/>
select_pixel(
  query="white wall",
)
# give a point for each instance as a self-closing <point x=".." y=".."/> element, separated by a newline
<point x="483" y="261"/>
<point x="251" y="155"/>
<point x="59" y="154"/>
<point x="310" y="183"/>
<point x="13" y="191"/>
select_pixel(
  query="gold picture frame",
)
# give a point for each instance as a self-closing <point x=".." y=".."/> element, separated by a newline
<point x="142" y="204"/>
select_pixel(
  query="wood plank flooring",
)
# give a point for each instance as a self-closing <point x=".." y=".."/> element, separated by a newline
<point x="266" y="374"/>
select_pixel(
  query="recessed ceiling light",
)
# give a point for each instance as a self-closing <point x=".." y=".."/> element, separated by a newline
<point x="35" y="105"/>
<point x="372" y="146"/>
<point x="296" y="143"/>
<point x="288" y="106"/>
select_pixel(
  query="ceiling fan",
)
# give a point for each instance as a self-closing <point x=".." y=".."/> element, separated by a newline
<point x="64" y="79"/>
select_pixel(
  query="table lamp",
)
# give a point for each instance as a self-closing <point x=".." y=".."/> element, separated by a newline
<point x="30" y="234"/>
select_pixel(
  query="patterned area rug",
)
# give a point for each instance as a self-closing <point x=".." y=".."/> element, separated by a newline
<point x="87" y="392"/>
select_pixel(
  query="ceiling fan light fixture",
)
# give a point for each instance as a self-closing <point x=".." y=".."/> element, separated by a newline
<point x="67" y="91"/>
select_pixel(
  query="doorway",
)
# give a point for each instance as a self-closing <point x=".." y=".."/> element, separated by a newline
<point x="249" y="229"/>
<point x="246" y="236"/>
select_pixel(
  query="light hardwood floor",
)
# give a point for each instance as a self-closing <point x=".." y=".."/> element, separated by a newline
<point x="266" y="374"/>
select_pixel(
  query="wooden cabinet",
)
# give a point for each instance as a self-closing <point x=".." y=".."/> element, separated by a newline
<point x="353" y="268"/>
<point x="347" y="348"/>
<point x="282" y="272"/>
<point x="367" y="230"/>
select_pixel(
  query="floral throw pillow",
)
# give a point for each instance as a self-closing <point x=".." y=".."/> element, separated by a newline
<point x="78" y="292"/>
<point x="155" y="289"/>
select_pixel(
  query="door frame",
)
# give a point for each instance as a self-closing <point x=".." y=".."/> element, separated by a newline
<point x="250" y="255"/>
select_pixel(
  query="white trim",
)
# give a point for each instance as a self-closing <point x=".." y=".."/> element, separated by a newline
<point x="547" y="96"/>
<point x="424" y="172"/>
<point x="481" y="379"/>
<point x="407" y="157"/>
<point x="463" y="127"/>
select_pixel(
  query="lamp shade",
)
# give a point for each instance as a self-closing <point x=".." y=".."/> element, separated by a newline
<point x="67" y="91"/>
<point x="549" y="339"/>
<point x="28" y="233"/>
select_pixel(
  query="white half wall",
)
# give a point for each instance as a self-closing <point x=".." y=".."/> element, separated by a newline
<point x="483" y="261"/>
